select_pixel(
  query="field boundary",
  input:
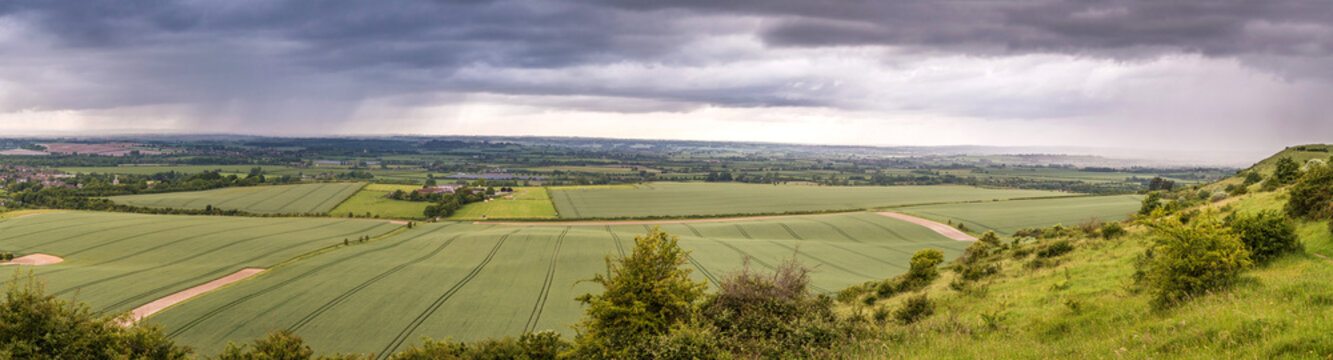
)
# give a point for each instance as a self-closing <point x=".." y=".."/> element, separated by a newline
<point x="163" y="303"/>
<point x="946" y="230"/>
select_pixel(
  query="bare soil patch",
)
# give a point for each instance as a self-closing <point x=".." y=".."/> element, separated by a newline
<point x="946" y="230"/>
<point x="151" y="308"/>
<point x="34" y="260"/>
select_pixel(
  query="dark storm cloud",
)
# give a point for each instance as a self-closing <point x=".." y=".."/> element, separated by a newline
<point x="314" y="58"/>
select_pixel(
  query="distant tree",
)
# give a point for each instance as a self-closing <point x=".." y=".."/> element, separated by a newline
<point x="1287" y="171"/>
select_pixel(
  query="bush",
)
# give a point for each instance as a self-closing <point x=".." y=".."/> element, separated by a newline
<point x="34" y="325"/>
<point x="1312" y="196"/>
<point x="990" y="239"/>
<point x="277" y="345"/>
<point x="1150" y="203"/>
<point x="1266" y="235"/>
<point x="1239" y="190"/>
<point x="1056" y="249"/>
<point x="772" y="316"/>
<point x="1252" y="178"/>
<point x="923" y="268"/>
<point x="6" y="256"/>
<point x="1286" y="172"/>
<point x="644" y="295"/>
<point x="1188" y="260"/>
<point x="914" y="309"/>
<point x="530" y="346"/>
<point x="685" y="343"/>
<point x="1112" y="230"/>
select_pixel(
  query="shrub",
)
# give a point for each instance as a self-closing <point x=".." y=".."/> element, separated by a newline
<point x="1286" y="172"/>
<point x="914" y="309"/>
<point x="772" y="316"/>
<point x="34" y="325"/>
<point x="1251" y="178"/>
<point x="1312" y="196"/>
<point x="990" y="239"/>
<point x="685" y="343"/>
<point x="644" y="295"/>
<point x="1150" y="203"/>
<point x="1187" y="260"/>
<point x="1056" y="249"/>
<point x="530" y="346"/>
<point x="1266" y="235"/>
<point x="1239" y="190"/>
<point x="277" y="345"/>
<point x="923" y="268"/>
<point x="1112" y="230"/>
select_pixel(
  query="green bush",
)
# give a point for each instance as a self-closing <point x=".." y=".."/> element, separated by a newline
<point x="914" y="309"/>
<point x="1312" y="196"/>
<point x="1150" y="203"/>
<point x="773" y="316"/>
<point x="34" y="325"/>
<point x="1054" y="249"/>
<point x="1252" y="178"/>
<point x="1286" y="172"/>
<point x="531" y="346"/>
<point x="686" y="343"/>
<point x="1266" y="235"/>
<point x="278" y="345"/>
<point x="923" y="268"/>
<point x="1187" y="260"/>
<point x="644" y="295"/>
<point x="1112" y="230"/>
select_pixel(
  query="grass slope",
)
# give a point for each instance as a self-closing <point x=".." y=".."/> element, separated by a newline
<point x="686" y="199"/>
<point x="476" y="281"/>
<point x="1005" y="217"/>
<point x="118" y="261"/>
<point x="302" y="198"/>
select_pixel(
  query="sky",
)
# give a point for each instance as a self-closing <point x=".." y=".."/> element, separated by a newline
<point x="1207" y="78"/>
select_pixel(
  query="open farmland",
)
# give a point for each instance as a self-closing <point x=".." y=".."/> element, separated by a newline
<point x="471" y="281"/>
<point x="371" y="200"/>
<point x="118" y="261"/>
<point x="303" y="198"/>
<point x="1005" y="217"/>
<point x="686" y="199"/>
<point x="524" y="203"/>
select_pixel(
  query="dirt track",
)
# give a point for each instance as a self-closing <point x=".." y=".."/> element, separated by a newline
<point x="158" y="305"/>
<point x="34" y="260"/>
<point x="946" y="230"/>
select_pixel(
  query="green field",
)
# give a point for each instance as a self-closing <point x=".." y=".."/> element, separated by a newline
<point x="117" y="262"/>
<point x="525" y="203"/>
<point x="1005" y="217"/>
<point x="187" y="169"/>
<point x="468" y="282"/>
<point x="303" y="198"/>
<point x="371" y="200"/>
<point x="686" y="199"/>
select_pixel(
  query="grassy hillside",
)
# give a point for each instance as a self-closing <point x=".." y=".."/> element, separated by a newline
<point x="303" y="198"/>
<point x="1086" y="304"/>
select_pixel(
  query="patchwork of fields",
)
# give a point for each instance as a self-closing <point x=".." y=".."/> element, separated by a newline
<point x="1005" y="217"/>
<point x="685" y="199"/>
<point x="302" y="198"/>
<point x="119" y="261"/>
<point x="372" y="200"/>
<point x="470" y="281"/>
<point x="525" y="203"/>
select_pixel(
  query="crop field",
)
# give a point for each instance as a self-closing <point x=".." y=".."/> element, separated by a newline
<point x="1005" y="217"/>
<point x="371" y="200"/>
<point x="525" y="203"/>
<point x="303" y="198"/>
<point x="117" y="262"/>
<point x="685" y="199"/>
<point x="467" y="282"/>
<point x="187" y="169"/>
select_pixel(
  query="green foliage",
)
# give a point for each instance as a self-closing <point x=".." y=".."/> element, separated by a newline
<point x="531" y="346"/>
<point x="1187" y="260"/>
<point x="686" y="343"/>
<point x="1286" y="172"/>
<point x="1266" y="235"/>
<point x="1251" y="178"/>
<point x="923" y="268"/>
<point x="34" y="325"/>
<point x="773" y="316"/>
<point x="1054" y="249"/>
<point x="1112" y="230"/>
<point x="1150" y="203"/>
<point x="644" y="295"/>
<point x="990" y="238"/>
<point x="914" y="309"/>
<point x="1312" y="196"/>
<point x="6" y="256"/>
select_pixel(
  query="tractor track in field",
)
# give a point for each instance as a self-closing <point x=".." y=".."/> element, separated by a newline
<point x="341" y="198"/>
<point x="141" y="252"/>
<point x="616" y="239"/>
<point x="213" y="274"/>
<point x="853" y="239"/>
<point x="572" y="209"/>
<point x="795" y="250"/>
<point x="75" y="236"/>
<point x="702" y="270"/>
<point x="30" y="233"/>
<point x="356" y="289"/>
<point x="218" y="310"/>
<point x="439" y="301"/>
<point x="105" y="243"/>
<point x="24" y="224"/>
<point x="313" y="189"/>
<point x="540" y="305"/>
<point x="907" y="239"/>
<point x="944" y="230"/>
<point x="746" y="234"/>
